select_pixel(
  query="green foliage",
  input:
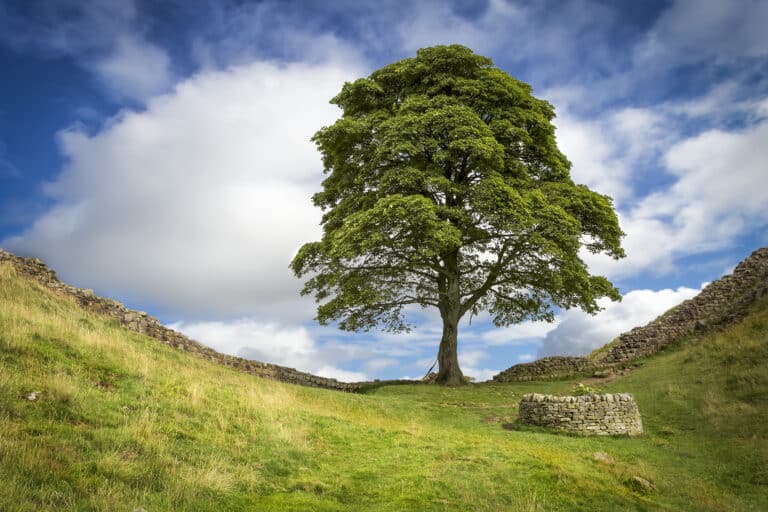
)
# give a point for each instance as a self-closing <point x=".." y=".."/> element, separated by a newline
<point x="582" y="389"/>
<point x="172" y="431"/>
<point x="445" y="188"/>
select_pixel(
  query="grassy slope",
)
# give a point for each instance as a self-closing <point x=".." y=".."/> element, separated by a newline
<point x="125" y="422"/>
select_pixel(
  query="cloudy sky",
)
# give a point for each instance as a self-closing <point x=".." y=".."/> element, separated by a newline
<point x="158" y="152"/>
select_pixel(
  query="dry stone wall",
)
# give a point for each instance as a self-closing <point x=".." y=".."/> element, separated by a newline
<point x="613" y="414"/>
<point x="722" y="302"/>
<point x="141" y="322"/>
<point x="548" y="368"/>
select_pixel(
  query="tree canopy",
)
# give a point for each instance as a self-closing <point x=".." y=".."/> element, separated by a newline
<point x="445" y="188"/>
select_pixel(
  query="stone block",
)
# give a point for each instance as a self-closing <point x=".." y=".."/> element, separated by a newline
<point x="586" y="415"/>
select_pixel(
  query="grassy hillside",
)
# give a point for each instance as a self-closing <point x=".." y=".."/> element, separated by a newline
<point x="121" y="422"/>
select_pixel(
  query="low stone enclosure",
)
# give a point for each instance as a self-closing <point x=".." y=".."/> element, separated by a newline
<point x="591" y="415"/>
<point x="721" y="303"/>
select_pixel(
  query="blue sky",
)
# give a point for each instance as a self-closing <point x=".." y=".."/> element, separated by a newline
<point x="158" y="152"/>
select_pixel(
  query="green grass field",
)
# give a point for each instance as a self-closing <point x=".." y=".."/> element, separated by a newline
<point x="123" y="422"/>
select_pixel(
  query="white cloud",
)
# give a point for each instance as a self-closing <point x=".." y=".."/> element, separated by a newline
<point x="518" y="334"/>
<point x="342" y="375"/>
<point x="270" y="342"/>
<point x="470" y="360"/>
<point x="717" y="196"/>
<point x="135" y="69"/>
<point x="66" y="27"/>
<point x="251" y="32"/>
<point x="722" y="101"/>
<point x="593" y="155"/>
<point x="381" y="363"/>
<point x="694" y="31"/>
<point x="479" y="374"/>
<point x="606" y="150"/>
<point x="680" y="188"/>
<point x="524" y="358"/>
<point x="471" y="357"/>
<point x="640" y="133"/>
<point x="517" y="32"/>
<point x="436" y="23"/>
<point x="579" y="333"/>
<point x="197" y="204"/>
<point x="103" y="36"/>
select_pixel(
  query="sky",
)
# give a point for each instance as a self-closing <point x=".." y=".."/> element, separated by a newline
<point x="159" y="153"/>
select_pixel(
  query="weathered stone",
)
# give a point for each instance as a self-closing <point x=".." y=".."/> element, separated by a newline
<point x="586" y="415"/>
<point x="639" y="483"/>
<point x="548" y="368"/>
<point x="722" y="302"/>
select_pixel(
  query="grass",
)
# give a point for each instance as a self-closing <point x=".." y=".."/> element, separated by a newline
<point x="123" y="422"/>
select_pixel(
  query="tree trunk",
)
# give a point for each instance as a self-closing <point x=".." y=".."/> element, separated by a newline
<point x="447" y="357"/>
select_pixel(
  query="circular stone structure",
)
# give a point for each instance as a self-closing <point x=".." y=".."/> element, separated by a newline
<point x="613" y="414"/>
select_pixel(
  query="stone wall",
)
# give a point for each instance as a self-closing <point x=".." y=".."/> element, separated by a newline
<point x="141" y="322"/>
<point x="597" y="415"/>
<point x="721" y="303"/>
<point x="548" y="368"/>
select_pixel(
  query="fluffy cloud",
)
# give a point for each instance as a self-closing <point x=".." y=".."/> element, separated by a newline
<point x="244" y="32"/>
<point x="594" y="156"/>
<point x="438" y="23"/>
<point x="518" y="334"/>
<point x="104" y="37"/>
<point x="521" y="33"/>
<point x="381" y="363"/>
<point x="606" y="150"/>
<point x="65" y="27"/>
<point x="682" y="173"/>
<point x="713" y="199"/>
<point x="579" y="333"/>
<point x="135" y="69"/>
<point x="197" y="204"/>
<point x="692" y="31"/>
<point x="470" y="361"/>
<point x="270" y="342"/>
<point x="472" y="357"/>
<point x="479" y="374"/>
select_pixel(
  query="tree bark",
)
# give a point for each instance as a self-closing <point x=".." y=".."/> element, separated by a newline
<point x="449" y="373"/>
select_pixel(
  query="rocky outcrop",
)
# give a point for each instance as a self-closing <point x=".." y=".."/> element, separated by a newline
<point x="613" y="414"/>
<point x="548" y="368"/>
<point x="721" y="303"/>
<point x="141" y="322"/>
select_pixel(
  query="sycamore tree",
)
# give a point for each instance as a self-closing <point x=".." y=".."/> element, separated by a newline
<point x="445" y="188"/>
